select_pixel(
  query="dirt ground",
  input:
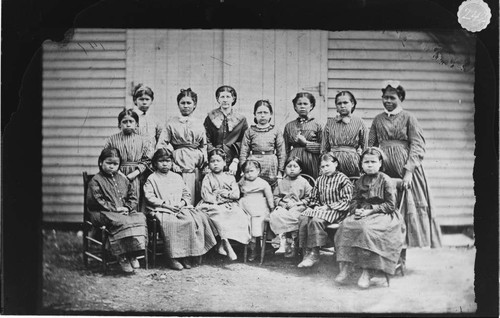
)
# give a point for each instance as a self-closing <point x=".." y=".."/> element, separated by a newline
<point x="436" y="281"/>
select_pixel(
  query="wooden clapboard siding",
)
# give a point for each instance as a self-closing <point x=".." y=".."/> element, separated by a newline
<point x="83" y="92"/>
<point x="440" y="96"/>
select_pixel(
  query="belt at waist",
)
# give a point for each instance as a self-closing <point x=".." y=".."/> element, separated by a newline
<point x="393" y="142"/>
<point x="129" y="164"/>
<point x="270" y="152"/>
<point x="184" y="146"/>
<point x="343" y="148"/>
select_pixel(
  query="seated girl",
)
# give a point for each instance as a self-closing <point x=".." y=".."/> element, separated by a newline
<point x="112" y="201"/>
<point x="291" y="197"/>
<point x="220" y="194"/>
<point x="373" y="234"/>
<point x="187" y="232"/>
<point x="329" y="204"/>
<point x="257" y="201"/>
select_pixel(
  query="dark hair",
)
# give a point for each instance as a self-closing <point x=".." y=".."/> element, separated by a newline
<point x="250" y="163"/>
<point x="399" y="90"/>
<point x="262" y="102"/>
<point x="161" y="153"/>
<point x="187" y="93"/>
<point x="309" y="96"/>
<point x="127" y="112"/>
<point x="329" y="157"/>
<point x="217" y="152"/>
<point x="109" y="152"/>
<point x="296" y="160"/>
<point x="141" y="89"/>
<point x="351" y="97"/>
<point x="372" y="151"/>
<point x="226" y="88"/>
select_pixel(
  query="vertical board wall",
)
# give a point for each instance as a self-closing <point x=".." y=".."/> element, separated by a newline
<point x="440" y="96"/>
<point x="83" y="92"/>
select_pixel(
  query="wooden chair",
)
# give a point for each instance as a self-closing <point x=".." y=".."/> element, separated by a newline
<point x="264" y="240"/>
<point x="95" y="238"/>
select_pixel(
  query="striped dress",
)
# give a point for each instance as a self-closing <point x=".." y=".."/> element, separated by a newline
<point x="148" y="126"/>
<point x="308" y="154"/>
<point x="330" y="198"/>
<point x="266" y="146"/>
<point x="187" y="137"/>
<point x="401" y="138"/>
<point x="136" y="152"/>
<point x="346" y="137"/>
<point x="190" y="232"/>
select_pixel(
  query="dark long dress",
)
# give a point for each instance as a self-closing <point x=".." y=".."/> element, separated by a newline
<point x="346" y="138"/>
<point x="400" y="137"/>
<point x="308" y="154"/>
<point x="225" y="132"/>
<point x="375" y="241"/>
<point x="105" y="195"/>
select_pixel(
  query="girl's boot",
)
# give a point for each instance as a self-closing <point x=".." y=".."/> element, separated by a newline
<point x="253" y="250"/>
<point x="283" y="244"/>
<point x="229" y="250"/>
<point x="307" y="255"/>
<point x="343" y="275"/>
<point x="364" y="279"/>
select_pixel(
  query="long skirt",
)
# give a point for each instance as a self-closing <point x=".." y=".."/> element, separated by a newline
<point x="373" y="242"/>
<point x="284" y="221"/>
<point x="310" y="161"/>
<point x="348" y="160"/>
<point x="230" y="220"/>
<point x="255" y="205"/>
<point x="127" y="233"/>
<point x="269" y="167"/>
<point x="187" y="233"/>
<point x="312" y="231"/>
<point x="192" y="180"/>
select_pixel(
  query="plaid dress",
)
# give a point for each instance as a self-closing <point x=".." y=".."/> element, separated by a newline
<point x="266" y="146"/>
<point x="188" y="232"/>
<point x="105" y="194"/>
<point x="330" y="198"/>
<point x="346" y="138"/>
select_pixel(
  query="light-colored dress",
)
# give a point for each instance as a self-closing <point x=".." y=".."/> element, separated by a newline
<point x="401" y="138"/>
<point x="136" y="152"/>
<point x="296" y="190"/>
<point x="375" y="241"/>
<point x="107" y="193"/>
<point x="187" y="137"/>
<point x="231" y="221"/>
<point x="148" y="126"/>
<point x="186" y="232"/>
<point x="346" y="137"/>
<point x="256" y="200"/>
<point x="308" y="154"/>
<point x="266" y="146"/>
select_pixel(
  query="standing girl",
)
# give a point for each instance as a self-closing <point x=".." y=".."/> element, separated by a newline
<point x="345" y="135"/>
<point x="329" y="204"/>
<point x="143" y="97"/>
<point x="257" y="201"/>
<point x="220" y="194"/>
<point x="187" y="137"/>
<point x="112" y="202"/>
<point x="291" y="197"/>
<point x="225" y="127"/>
<point x="264" y="143"/>
<point x="303" y="136"/>
<point x="135" y="150"/>
<point x="373" y="234"/>
<point x="186" y="231"/>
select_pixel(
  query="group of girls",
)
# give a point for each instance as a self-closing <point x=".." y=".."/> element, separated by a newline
<point x="222" y="179"/>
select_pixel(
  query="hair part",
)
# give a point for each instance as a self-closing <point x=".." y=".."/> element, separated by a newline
<point x="372" y="151"/>
<point x="229" y="89"/>
<point x="351" y="97"/>
<point x="296" y="160"/>
<point x="187" y="93"/>
<point x="262" y="102"/>
<point x="109" y="152"/>
<point x="217" y="152"/>
<point x="127" y="112"/>
<point x="307" y="95"/>
<point x="159" y="154"/>
<point x="140" y="90"/>
<point x="400" y="91"/>
<point x="251" y="163"/>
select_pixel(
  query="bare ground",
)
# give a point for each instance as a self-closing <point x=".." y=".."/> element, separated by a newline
<point x="436" y="281"/>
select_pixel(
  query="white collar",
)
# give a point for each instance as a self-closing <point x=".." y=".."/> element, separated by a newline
<point x="394" y="112"/>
